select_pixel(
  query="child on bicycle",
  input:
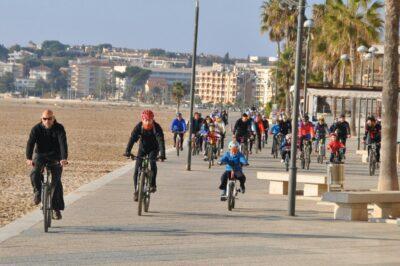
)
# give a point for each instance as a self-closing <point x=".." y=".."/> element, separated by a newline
<point x="234" y="161"/>
<point x="211" y="138"/>
<point x="275" y="131"/>
<point x="285" y="147"/>
<point x="336" y="147"/>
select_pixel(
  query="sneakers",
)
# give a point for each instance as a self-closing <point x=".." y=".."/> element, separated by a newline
<point x="223" y="195"/>
<point x="57" y="215"/>
<point x="135" y="196"/>
<point x="282" y="161"/>
<point x="153" y="189"/>
<point x="36" y="198"/>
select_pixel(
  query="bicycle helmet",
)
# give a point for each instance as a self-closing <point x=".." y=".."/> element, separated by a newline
<point x="233" y="144"/>
<point x="147" y="115"/>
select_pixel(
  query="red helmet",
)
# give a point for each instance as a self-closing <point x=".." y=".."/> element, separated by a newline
<point x="147" y="115"/>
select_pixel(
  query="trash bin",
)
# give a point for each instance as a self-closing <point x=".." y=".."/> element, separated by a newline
<point x="335" y="173"/>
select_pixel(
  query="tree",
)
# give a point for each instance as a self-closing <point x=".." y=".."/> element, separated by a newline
<point x="227" y="60"/>
<point x="388" y="179"/>
<point x="41" y="87"/>
<point x="156" y="52"/>
<point x="15" y="48"/>
<point x="3" y="53"/>
<point x="178" y="92"/>
<point x="53" y="48"/>
<point x="7" y="82"/>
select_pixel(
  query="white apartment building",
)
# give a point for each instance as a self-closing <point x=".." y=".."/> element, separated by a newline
<point x="22" y="84"/>
<point x="87" y="74"/>
<point x="264" y="85"/>
<point x="15" y="56"/>
<point x="41" y="72"/>
<point x="15" y="68"/>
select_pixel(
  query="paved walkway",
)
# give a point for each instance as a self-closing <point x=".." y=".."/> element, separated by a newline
<point x="189" y="225"/>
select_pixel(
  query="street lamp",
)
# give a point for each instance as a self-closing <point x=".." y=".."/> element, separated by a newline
<point x="275" y="60"/>
<point x="192" y="88"/>
<point x="344" y="58"/>
<point x="368" y="56"/>
<point x="295" y="110"/>
<point x="362" y="50"/>
<point x="308" y="24"/>
<point x="372" y="51"/>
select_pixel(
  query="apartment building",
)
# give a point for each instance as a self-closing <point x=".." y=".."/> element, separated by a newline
<point x="15" y="68"/>
<point x="87" y="74"/>
<point x="225" y="84"/>
<point x="264" y="85"/>
<point x="41" y="72"/>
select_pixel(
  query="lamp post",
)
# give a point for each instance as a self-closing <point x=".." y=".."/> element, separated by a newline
<point x="368" y="56"/>
<point x="308" y="24"/>
<point x="362" y="50"/>
<point x="372" y="50"/>
<point x="295" y="110"/>
<point x="192" y="88"/>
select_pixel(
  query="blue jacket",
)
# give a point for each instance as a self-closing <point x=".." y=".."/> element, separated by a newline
<point x="236" y="160"/>
<point x="178" y="126"/>
<point x="275" y="129"/>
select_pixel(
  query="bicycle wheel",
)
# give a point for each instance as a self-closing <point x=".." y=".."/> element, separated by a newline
<point x="177" y="148"/>
<point x="231" y="197"/>
<point x="303" y="163"/>
<point x="46" y="207"/>
<point x="142" y="177"/>
<point x="307" y="158"/>
<point x="209" y="155"/>
<point x="372" y="163"/>
<point x="219" y="148"/>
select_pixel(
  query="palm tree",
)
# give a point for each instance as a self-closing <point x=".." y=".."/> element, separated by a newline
<point x="178" y="91"/>
<point x="388" y="179"/>
<point x="340" y="28"/>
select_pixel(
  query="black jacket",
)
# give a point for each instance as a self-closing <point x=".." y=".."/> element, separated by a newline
<point x="51" y="143"/>
<point x="242" y="128"/>
<point x="342" y="128"/>
<point x="150" y="140"/>
<point x="196" y="125"/>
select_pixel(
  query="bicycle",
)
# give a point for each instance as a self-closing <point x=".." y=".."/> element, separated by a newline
<point x="305" y="156"/>
<point x="276" y="144"/>
<point x="178" y="143"/>
<point x="232" y="189"/>
<point x="287" y="158"/>
<point x="372" y="158"/>
<point x="211" y="154"/>
<point x="46" y="195"/>
<point x="244" y="147"/>
<point x="321" y="150"/>
<point x="195" y="145"/>
<point x="143" y="186"/>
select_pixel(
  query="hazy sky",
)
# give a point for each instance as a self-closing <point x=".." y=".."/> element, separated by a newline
<point x="225" y="25"/>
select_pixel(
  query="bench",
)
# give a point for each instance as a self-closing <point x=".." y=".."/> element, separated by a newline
<point x="364" y="155"/>
<point x="353" y="206"/>
<point x="314" y="185"/>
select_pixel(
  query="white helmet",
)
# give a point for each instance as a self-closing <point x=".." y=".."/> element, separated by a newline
<point x="233" y="144"/>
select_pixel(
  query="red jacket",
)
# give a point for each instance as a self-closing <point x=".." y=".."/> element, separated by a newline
<point x="306" y="129"/>
<point x="335" y="146"/>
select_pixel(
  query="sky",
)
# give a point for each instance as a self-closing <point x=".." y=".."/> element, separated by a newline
<point x="225" y="25"/>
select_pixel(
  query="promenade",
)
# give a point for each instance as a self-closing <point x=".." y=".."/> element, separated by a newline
<point x="189" y="225"/>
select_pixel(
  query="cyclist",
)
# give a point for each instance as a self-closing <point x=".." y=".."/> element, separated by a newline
<point x="242" y="129"/>
<point x="336" y="147"/>
<point x="373" y="135"/>
<point x="211" y="137"/>
<point x="220" y="125"/>
<point x="197" y="123"/>
<point x="266" y="127"/>
<point x="275" y="131"/>
<point x="225" y="117"/>
<point x="306" y="131"/>
<point x="342" y="129"/>
<point x="252" y="116"/>
<point x="236" y="159"/>
<point x="260" y="130"/>
<point x="321" y="129"/>
<point x="285" y="147"/>
<point x="285" y="125"/>
<point x="152" y="143"/>
<point x="50" y="140"/>
<point x="178" y="126"/>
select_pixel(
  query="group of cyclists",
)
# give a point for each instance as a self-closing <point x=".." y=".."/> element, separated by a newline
<point x="48" y="143"/>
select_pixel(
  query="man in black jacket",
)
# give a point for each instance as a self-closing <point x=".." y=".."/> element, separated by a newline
<point x="50" y="140"/>
<point x="197" y="122"/>
<point x="242" y="128"/>
<point x="152" y="143"/>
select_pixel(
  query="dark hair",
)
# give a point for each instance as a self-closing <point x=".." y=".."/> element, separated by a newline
<point x="244" y="115"/>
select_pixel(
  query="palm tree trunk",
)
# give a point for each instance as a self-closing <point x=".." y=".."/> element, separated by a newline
<point x="388" y="179"/>
<point x="353" y="82"/>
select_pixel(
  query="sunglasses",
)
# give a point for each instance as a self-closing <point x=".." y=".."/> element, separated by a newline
<point x="47" y="118"/>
